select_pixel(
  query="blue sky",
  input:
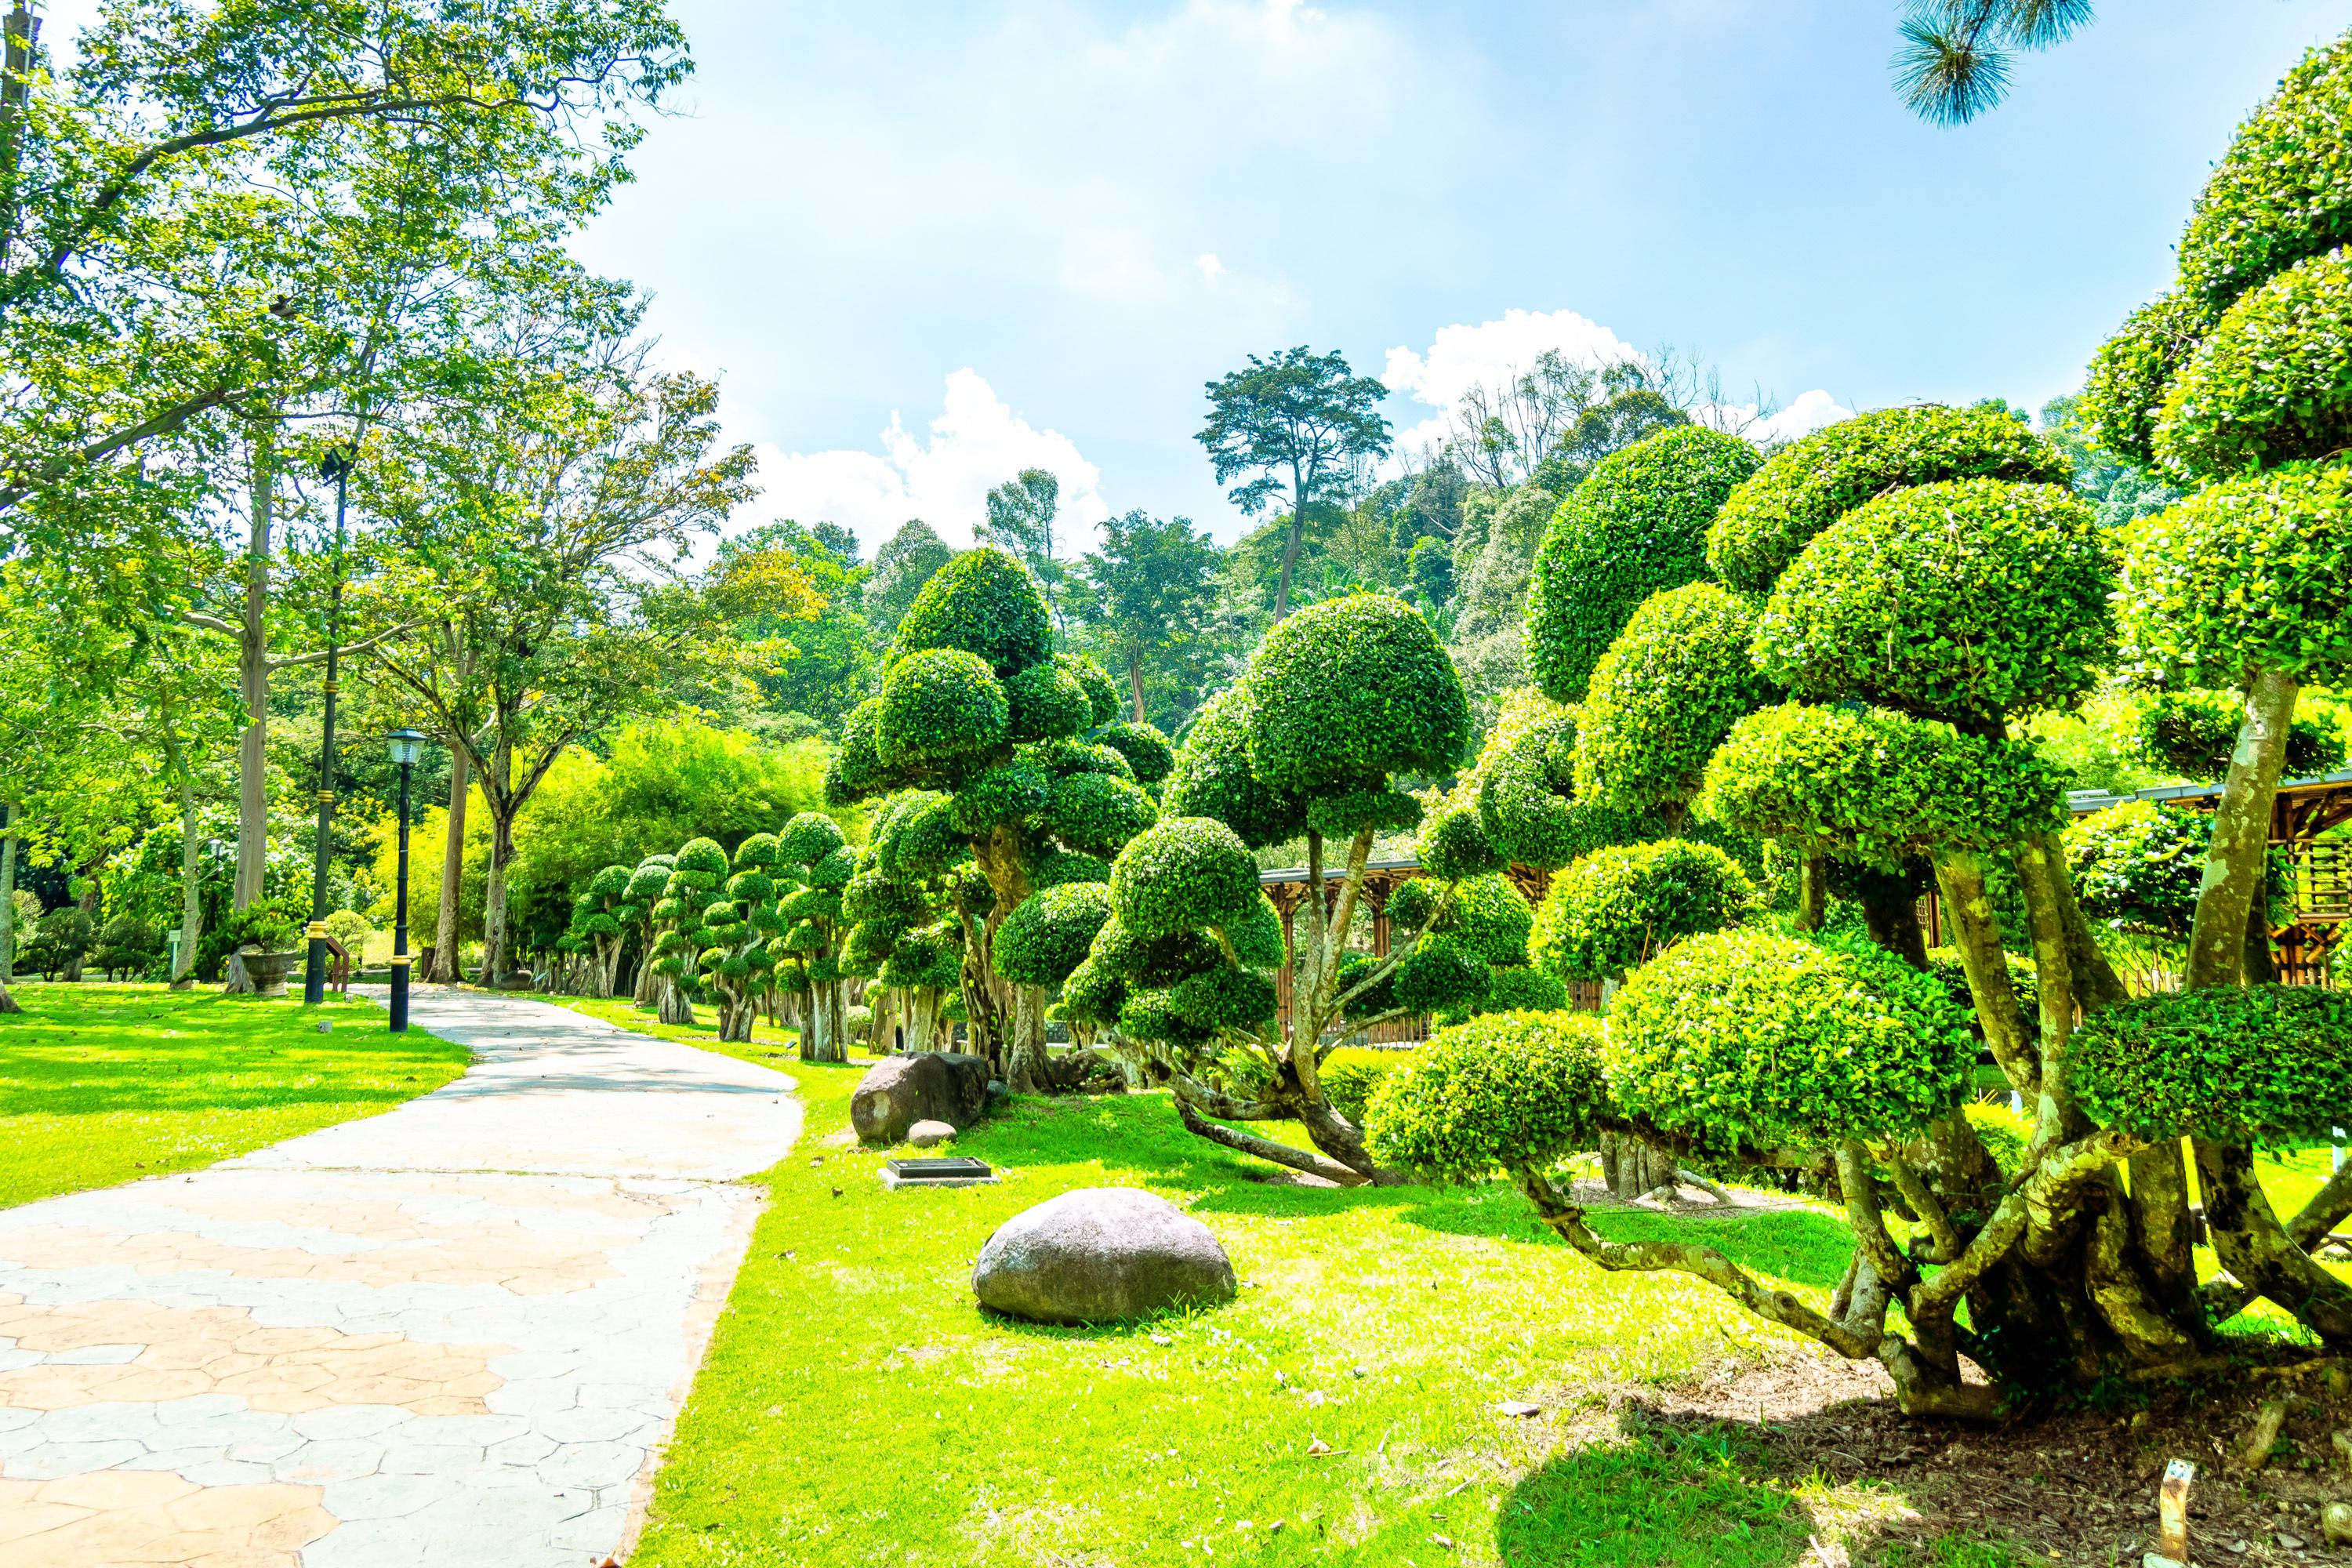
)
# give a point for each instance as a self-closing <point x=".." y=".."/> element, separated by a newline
<point x="926" y="245"/>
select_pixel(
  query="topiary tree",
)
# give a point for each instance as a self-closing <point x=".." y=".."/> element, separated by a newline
<point x="739" y="931"/>
<point x="907" y="901"/>
<point x="126" y="947"/>
<point x="597" y="915"/>
<point x="814" y="865"/>
<point x="696" y="872"/>
<point x="1341" y="699"/>
<point x="2234" y="383"/>
<point x="2191" y="734"/>
<point x="978" y="714"/>
<point x="648" y="884"/>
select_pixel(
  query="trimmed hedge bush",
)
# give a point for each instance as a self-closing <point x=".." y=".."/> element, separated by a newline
<point x="808" y="839"/>
<point x="1046" y="702"/>
<point x="1754" y="1038"/>
<point x="941" y="702"/>
<point x="1149" y="753"/>
<point x="1048" y="934"/>
<point x="984" y="603"/>
<point x="2193" y="734"/>
<point x="2124" y="392"/>
<point x="1183" y="874"/>
<point x="1102" y="692"/>
<point x="1636" y="527"/>
<point x="1211" y="777"/>
<point x="2251" y="573"/>
<point x="1004" y="796"/>
<point x="1225" y="998"/>
<point x="2264" y="1061"/>
<point x="1488" y="915"/>
<point x="1453" y="842"/>
<point x="1664" y="694"/>
<point x="1971" y="599"/>
<point x="1351" y="691"/>
<point x="1096" y="813"/>
<point x="1811" y="483"/>
<point x="1502" y="1091"/>
<point x="1615" y="909"/>
<point x="2271" y="382"/>
<point x="2284" y="190"/>
<point x="1877" y="786"/>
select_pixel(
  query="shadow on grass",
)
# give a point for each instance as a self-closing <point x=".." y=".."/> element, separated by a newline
<point x="1664" y="1496"/>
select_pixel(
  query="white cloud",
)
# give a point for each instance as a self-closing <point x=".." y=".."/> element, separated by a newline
<point x="942" y="475"/>
<point x="1490" y="353"/>
<point x="1211" y="268"/>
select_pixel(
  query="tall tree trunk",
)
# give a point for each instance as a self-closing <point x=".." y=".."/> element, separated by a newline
<point x="253" y="678"/>
<point x="1025" y="1060"/>
<point x="453" y="870"/>
<point x="1135" y="677"/>
<point x="497" y="795"/>
<point x="1290" y="545"/>
<point x="2235" y="862"/>
<point x="648" y="981"/>
<point x="192" y="907"/>
<point x="1813" y="892"/>
<point x="7" y="905"/>
<point x="87" y="903"/>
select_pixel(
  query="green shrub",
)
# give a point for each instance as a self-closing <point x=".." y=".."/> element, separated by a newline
<point x="1257" y="936"/>
<point x="2284" y="190"/>
<point x="1615" y="909"/>
<point x="2138" y="867"/>
<point x="2248" y="575"/>
<point x="1754" y="1038"/>
<point x="1153" y="963"/>
<point x="1634" y="528"/>
<point x="1381" y="810"/>
<point x="352" y="929"/>
<point x="1149" y="1015"/>
<point x="1102" y="692"/>
<point x="128" y="945"/>
<point x="1064" y="757"/>
<point x="1811" y="483"/>
<point x="1185" y="873"/>
<point x="1093" y="995"/>
<point x="941" y="702"/>
<point x="2265" y="1061"/>
<point x="1212" y="778"/>
<point x="1348" y="1085"/>
<point x="1047" y="934"/>
<point x="1523" y="988"/>
<point x="1877" y="786"/>
<point x="700" y="866"/>
<point x="1488" y="915"/>
<point x="1441" y="973"/>
<point x="984" y="603"/>
<point x="1664" y="694"/>
<point x="1412" y="905"/>
<point x="1972" y="599"/>
<point x="1005" y="795"/>
<point x="1225" y="998"/>
<point x="1056" y="867"/>
<point x="860" y="1022"/>
<point x="1046" y="701"/>
<point x="1502" y="1091"/>
<point x="1453" y="842"/>
<point x="914" y="834"/>
<point x="857" y="769"/>
<point x="1148" y="751"/>
<point x="2124" y="392"/>
<point x="1351" y="691"/>
<point x="2191" y="734"/>
<point x="2271" y="382"/>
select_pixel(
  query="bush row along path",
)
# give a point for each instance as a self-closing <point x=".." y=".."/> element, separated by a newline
<point x="455" y="1334"/>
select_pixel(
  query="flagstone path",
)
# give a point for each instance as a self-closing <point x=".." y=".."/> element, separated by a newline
<point x="456" y="1333"/>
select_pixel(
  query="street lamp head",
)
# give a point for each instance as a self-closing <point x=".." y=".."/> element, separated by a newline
<point x="216" y="848"/>
<point x="407" y="745"/>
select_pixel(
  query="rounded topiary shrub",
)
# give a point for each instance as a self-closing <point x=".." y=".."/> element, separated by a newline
<point x="1257" y="937"/>
<point x="1664" y="694"/>
<point x="1351" y="691"/>
<point x="1453" y="841"/>
<point x="1102" y="692"/>
<point x="808" y="839"/>
<point x="2191" y="734"/>
<point x="1636" y="527"/>
<point x="1502" y="1092"/>
<point x="1225" y="998"/>
<point x="941" y="702"/>
<point x="1357" y="811"/>
<point x="914" y="834"/>
<point x="984" y="603"/>
<point x="2272" y="381"/>
<point x="700" y="864"/>
<point x="857" y="769"/>
<point x="1488" y="915"/>
<point x="1002" y="797"/>
<point x="1971" y="599"/>
<point x="1096" y="812"/>
<point x="2250" y="575"/>
<point x="1811" y="483"/>
<point x="1211" y="777"/>
<point x="2123" y="392"/>
<point x="1752" y="1038"/>
<point x="1046" y="702"/>
<point x="1048" y="934"/>
<point x="2264" y="1061"/>
<point x="1183" y="874"/>
<point x="1146" y="751"/>
<point x="2284" y="190"/>
<point x="1615" y="909"/>
<point x="1877" y="786"/>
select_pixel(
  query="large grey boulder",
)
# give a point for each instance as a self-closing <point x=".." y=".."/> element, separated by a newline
<point x="1100" y="1255"/>
<point x="922" y="1085"/>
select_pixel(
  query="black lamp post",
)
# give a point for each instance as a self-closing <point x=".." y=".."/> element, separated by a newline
<point x="338" y="467"/>
<point x="407" y="745"/>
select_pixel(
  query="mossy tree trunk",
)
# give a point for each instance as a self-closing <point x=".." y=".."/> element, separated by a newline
<point x="8" y="832"/>
<point x="2230" y="895"/>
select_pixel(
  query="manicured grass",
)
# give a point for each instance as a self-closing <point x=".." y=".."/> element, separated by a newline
<point x="767" y="1043"/>
<point x="857" y="1408"/>
<point x="102" y="1084"/>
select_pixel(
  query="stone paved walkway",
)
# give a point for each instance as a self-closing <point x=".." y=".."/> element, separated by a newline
<point x="453" y="1334"/>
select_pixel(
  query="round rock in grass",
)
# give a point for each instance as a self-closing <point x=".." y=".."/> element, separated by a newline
<point x="897" y="1092"/>
<point x="929" y="1134"/>
<point x="1100" y="1255"/>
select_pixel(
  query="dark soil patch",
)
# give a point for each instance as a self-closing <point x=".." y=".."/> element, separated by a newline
<point x="2074" y="1485"/>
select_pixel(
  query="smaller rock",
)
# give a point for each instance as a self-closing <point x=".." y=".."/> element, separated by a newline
<point x="2291" y="1541"/>
<point x="1317" y="1446"/>
<point x="1518" y="1408"/>
<point x="2335" y="1523"/>
<point x="929" y="1134"/>
<point x="326" y="1026"/>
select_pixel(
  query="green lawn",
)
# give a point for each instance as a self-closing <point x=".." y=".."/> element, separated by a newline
<point x="856" y="1407"/>
<point x="767" y="1043"/>
<point x="102" y="1084"/>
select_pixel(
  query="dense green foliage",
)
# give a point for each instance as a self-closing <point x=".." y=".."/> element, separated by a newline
<point x="1502" y="1092"/>
<point x="2271" y="382"/>
<point x="2191" y="735"/>
<point x="985" y="603"/>
<point x="2124" y="392"/>
<point x="1748" y="1038"/>
<point x="1211" y="775"/>
<point x="1185" y="872"/>
<point x="1877" y="785"/>
<point x="1636" y="527"/>
<point x="1664" y="696"/>
<point x="2137" y="867"/>
<point x="1616" y="908"/>
<point x="2252" y="574"/>
<point x="2264" y="1061"/>
<point x="1968" y="600"/>
<point x="940" y="704"/>
<point x="2284" y="190"/>
<point x="1351" y="691"/>
<point x="1047" y="935"/>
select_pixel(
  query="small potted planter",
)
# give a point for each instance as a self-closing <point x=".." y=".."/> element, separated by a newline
<point x="267" y="970"/>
